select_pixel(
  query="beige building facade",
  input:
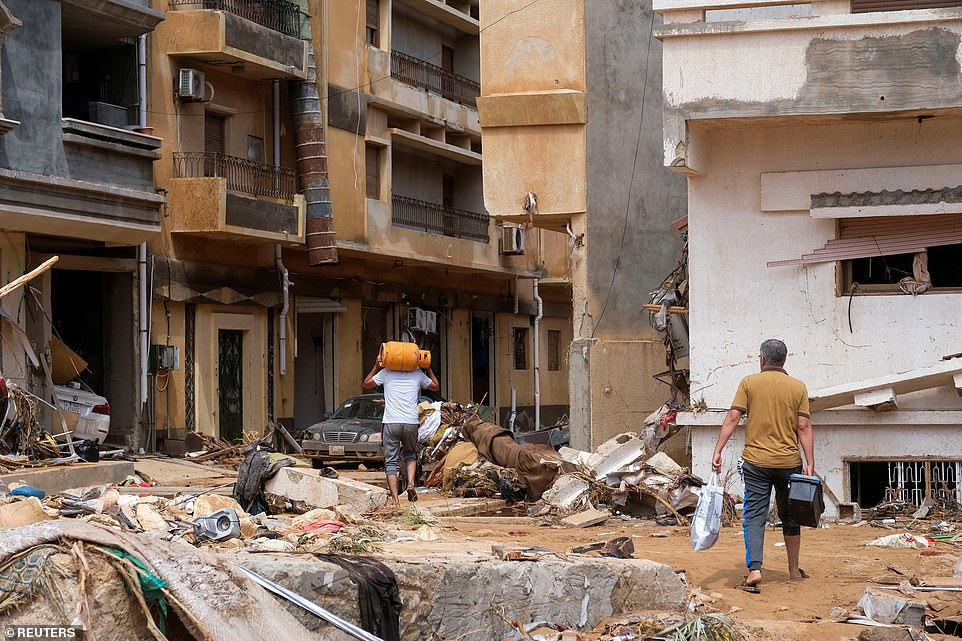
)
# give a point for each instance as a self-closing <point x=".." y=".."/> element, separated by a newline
<point x="817" y="141"/>
<point x="570" y="111"/>
<point x="417" y="256"/>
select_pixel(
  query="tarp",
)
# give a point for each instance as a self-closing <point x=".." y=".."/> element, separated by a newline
<point x="497" y="445"/>
<point x="213" y="600"/>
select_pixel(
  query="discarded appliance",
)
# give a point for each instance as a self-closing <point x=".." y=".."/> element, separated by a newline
<point x="218" y="526"/>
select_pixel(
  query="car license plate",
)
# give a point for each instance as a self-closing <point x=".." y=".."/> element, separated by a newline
<point x="337" y="449"/>
<point x="71" y="407"/>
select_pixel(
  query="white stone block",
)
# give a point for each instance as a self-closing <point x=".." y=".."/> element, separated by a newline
<point x="308" y="487"/>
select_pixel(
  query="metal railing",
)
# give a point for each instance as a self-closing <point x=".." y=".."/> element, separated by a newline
<point x="437" y="219"/>
<point x="245" y="176"/>
<point x="279" y="15"/>
<point x="420" y="73"/>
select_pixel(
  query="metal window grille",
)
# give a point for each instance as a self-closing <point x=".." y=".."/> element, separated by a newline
<point x="423" y="74"/>
<point x="245" y="176"/>
<point x="279" y="15"/>
<point x="438" y="219"/>
<point x="914" y="481"/>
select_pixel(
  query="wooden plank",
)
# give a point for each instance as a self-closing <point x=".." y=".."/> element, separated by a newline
<point x="26" y="278"/>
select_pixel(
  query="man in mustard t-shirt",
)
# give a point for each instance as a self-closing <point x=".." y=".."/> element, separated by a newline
<point x="778" y="422"/>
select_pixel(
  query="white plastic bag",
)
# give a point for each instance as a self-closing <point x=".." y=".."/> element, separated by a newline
<point x="706" y="522"/>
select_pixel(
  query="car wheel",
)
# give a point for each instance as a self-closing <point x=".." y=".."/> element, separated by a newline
<point x="317" y="463"/>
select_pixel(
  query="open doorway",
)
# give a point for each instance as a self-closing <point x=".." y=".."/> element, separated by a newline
<point x="482" y="358"/>
<point x="314" y="369"/>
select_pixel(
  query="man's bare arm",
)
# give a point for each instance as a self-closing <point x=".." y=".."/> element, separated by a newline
<point x="727" y="429"/>
<point x="806" y="437"/>
<point x="369" y="382"/>
<point x="434" y="386"/>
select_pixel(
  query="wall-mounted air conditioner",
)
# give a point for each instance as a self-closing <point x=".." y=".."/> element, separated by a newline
<point x="422" y="320"/>
<point x="190" y="85"/>
<point x="512" y="240"/>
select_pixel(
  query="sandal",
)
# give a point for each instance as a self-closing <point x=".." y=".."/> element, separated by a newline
<point x="412" y="495"/>
<point x="752" y="588"/>
<point x="804" y="574"/>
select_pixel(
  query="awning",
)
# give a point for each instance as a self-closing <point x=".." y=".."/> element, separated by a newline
<point x="884" y="236"/>
<point x="211" y="284"/>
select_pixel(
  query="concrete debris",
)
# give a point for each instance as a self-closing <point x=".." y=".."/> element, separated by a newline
<point x="885" y="607"/>
<point x="885" y="634"/>
<point x="428" y="533"/>
<point x="664" y="465"/>
<point x="300" y="490"/>
<point x="22" y="512"/>
<point x="957" y="572"/>
<point x="569" y="492"/>
<point x="586" y="519"/>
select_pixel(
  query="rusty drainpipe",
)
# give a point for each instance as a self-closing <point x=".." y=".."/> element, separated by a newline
<point x="309" y="136"/>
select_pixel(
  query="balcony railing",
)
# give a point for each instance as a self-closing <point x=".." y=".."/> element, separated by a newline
<point x="279" y="15"/>
<point x="423" y="74"/>
<point x="437" y="219"/>
<point x="244" y="176"/>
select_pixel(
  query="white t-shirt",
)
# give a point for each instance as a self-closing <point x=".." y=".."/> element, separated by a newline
<point x="401" y="391"/>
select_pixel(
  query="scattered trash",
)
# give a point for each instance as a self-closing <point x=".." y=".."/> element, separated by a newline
<point x="219" y="525"/>
<point x="889" y="608"/>
<point x="904" y="540"/>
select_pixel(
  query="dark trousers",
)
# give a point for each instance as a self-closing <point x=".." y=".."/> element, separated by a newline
<point x="759" y="482"/>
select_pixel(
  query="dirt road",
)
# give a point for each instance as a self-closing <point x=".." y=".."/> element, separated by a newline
<point x="839" y="563"/>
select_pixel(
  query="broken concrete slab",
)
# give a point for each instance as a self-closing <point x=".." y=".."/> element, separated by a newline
<point x="172" y="471"/>
<point x="567" y="492"/>
<point x="299" y="490"/>
<point x="441" y="594"/>
<point x="886" y="607"/>
<point x="664" y="465"/>
<point x="57" y="478"/>
<point x="586" y="519"/>
<point x="620" y="458"/>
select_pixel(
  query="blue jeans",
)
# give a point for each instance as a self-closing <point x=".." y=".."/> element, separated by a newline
<point x="759" y="482"/>
<point x="398" y="437"/>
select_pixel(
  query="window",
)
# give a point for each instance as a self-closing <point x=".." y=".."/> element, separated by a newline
<point x="373" y="171"/>
<point x="255" y="149"/>
<point x="554" y="350"/>
<point x="520" y="348"/>
<point x="372" y="31"/>
<point x="213" y="133"/>
<point x="447" y="191"/>
<point x="883" y="273"/>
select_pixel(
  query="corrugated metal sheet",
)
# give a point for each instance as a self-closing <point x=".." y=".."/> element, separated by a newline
<point x="884" y="236"/>
<point x="865" y="6"/>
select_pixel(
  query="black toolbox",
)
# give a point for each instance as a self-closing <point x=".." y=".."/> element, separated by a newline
<point x="805" y="502"/>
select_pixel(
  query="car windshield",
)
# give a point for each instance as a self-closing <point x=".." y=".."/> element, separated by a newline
<point x="361" y="408"/>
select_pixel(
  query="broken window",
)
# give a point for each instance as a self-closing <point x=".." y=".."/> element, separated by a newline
<point x="883" y="273"/>
<point x="554" y="350"/>
<point x="905" y="483"/>
<point x="520" y="347"/>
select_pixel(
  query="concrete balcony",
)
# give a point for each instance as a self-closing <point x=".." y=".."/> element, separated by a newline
<point x="731" y="60"/>
<point x="257" y="39"/>
<point x="453" y="14"/>
<point x="420" y="92"/>
<point x="220" y="196"/>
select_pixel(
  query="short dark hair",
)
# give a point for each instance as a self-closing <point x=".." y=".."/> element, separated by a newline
<point x="774" y="352"/>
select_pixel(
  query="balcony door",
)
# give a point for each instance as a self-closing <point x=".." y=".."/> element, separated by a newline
<point x="213" y="143"/>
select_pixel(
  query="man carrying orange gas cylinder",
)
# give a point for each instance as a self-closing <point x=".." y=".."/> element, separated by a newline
<point x="400" y="368"/>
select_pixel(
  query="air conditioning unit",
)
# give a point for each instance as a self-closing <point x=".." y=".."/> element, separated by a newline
<point x="512" y="240"/>
<point x="422" y="320"/>
<point x="190" y="85"/>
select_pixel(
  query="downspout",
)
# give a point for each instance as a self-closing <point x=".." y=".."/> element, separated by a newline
<point x="278" y="252"/>
<point x="537" y="360"/>
<point x="312" y="178"/>
<point x="286" y="289"/>
<point x="142" y="81"/>
<point x="142" y="320"/>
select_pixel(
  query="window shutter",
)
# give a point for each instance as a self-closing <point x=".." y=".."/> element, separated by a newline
<point x="213" y="133"/>
<point x="866" y="6"/>
<point x="884" y="236"/>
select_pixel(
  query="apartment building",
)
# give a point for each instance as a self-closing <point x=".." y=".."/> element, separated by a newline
<point x="414" y="239"/>
<point x="76" y="181"/>
<point x="571" y="113"/>
<point x="321" y="164"/>
<point x="823" y="186"/>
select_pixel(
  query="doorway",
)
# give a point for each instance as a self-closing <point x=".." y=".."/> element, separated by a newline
<point x="377" y="326"/>
<point x="314" y="369"/>
<point x="230" y="384"/>
<point x="482" y="358"/>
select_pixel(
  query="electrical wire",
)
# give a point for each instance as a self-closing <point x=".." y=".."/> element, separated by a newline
<point x="631" y="181"/>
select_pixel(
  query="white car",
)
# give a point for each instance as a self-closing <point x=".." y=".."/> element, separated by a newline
<point x="92" y="412"/>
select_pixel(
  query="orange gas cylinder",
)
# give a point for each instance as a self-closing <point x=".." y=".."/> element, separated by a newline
<point x="404" y="357"/>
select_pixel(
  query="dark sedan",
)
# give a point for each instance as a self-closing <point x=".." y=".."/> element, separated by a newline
<point x="353" y="432"/>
